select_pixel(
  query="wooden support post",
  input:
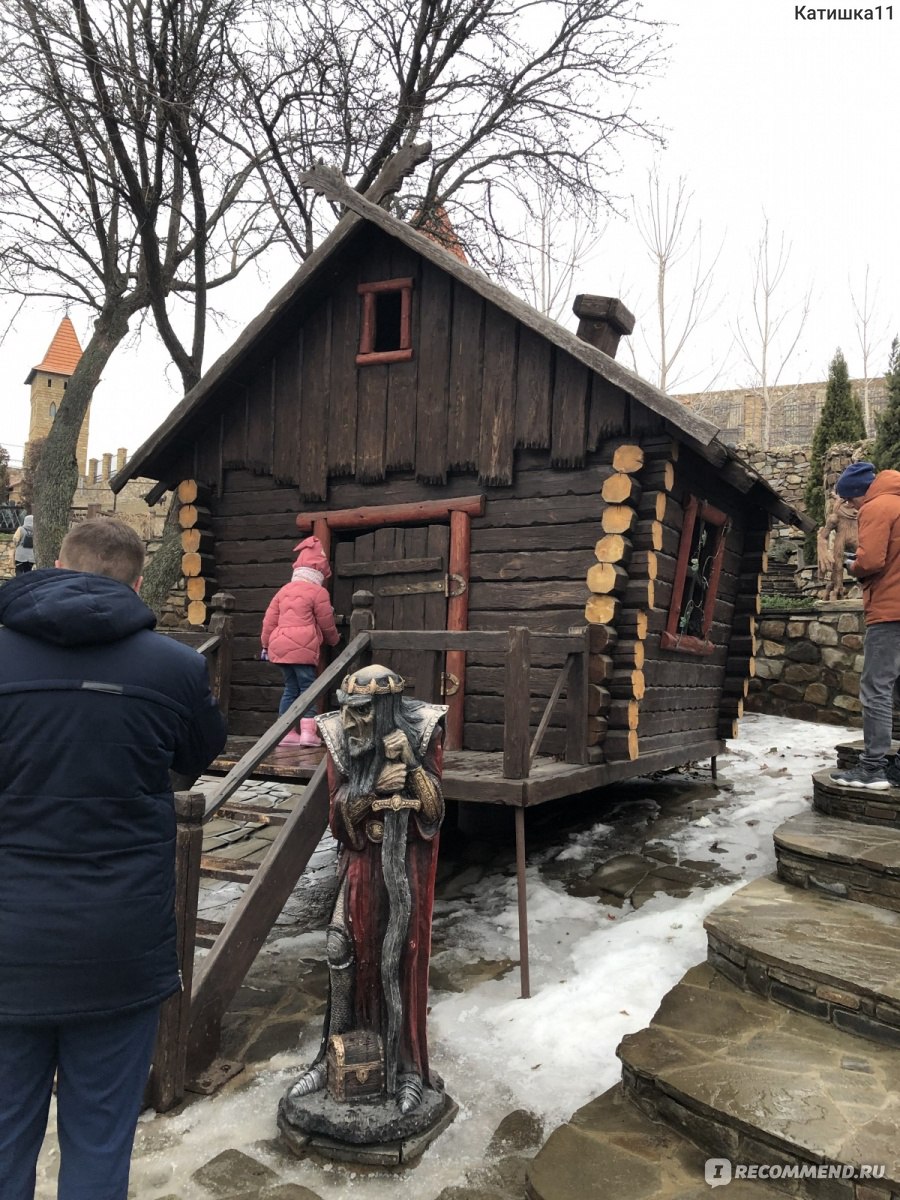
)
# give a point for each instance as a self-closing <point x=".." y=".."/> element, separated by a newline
<point x="362" y="616"/>
<point x="714" y="768"/>
<point x="457" y="621"/>
<point x="517" y="704"/>
<point x="577" y="704"/>
<point x="322" y="530"/>
<point x="522" y="896"/>
<point x="166" y="1087"/>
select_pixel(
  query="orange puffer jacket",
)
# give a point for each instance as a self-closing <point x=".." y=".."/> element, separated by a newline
<point x="877" y="564"/>
<point x="298" y="619"/>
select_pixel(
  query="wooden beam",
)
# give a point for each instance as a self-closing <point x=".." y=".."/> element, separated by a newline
<point x="377" y="515"/>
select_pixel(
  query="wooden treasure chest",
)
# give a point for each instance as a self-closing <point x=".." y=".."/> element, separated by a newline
<point x="355" y="1065"/>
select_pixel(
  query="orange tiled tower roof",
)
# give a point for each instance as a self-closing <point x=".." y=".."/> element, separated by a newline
<point x="62" y="354"/>
<point x="439" y="228"/>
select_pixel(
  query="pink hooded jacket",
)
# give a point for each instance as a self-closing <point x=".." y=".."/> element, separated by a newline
<point x="300" y="617"/>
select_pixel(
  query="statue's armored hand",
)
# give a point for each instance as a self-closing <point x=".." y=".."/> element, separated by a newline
<point x="397" y="748"/>
<point x="392" y="778"/>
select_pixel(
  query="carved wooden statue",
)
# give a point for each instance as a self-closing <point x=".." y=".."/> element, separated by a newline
<point x="371" y="1081"/>
<point x="836" y="539"/>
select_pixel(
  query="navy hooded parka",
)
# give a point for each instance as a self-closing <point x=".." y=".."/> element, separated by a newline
<point x="95" y="708"/>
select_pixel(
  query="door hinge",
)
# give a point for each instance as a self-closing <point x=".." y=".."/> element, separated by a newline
<point x="456" y="582"/>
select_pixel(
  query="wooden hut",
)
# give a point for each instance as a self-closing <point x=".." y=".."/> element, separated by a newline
<point x="475" y="467"/>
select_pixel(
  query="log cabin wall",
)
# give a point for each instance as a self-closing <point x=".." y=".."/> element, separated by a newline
<point x="530" y="553"/>
<point x="659" y="697"/>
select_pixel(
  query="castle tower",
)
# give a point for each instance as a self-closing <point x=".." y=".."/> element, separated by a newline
<point x="49" y="380"/>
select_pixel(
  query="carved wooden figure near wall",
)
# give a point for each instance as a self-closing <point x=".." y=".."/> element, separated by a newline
<point x="371" y="1083"/>
<point x="836" y="538"/>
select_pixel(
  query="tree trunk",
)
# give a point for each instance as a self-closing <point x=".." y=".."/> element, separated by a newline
<point x="56" y="477"/>
<point x="165" y="565"/>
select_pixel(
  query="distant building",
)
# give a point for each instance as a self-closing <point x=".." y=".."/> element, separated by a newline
<point x="93" y="495"/>
<point x="795" y="410"/>
<point x="49" y="380"/>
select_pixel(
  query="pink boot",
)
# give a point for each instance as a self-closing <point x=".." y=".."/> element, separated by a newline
<point x="309" y="734"/>
<point x="292" y="738"/>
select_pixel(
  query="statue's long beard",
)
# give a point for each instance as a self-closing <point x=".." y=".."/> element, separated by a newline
<point x="363" y="769"/>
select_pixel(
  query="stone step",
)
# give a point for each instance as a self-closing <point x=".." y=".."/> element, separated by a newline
<point x="610" y="1150"/>
<point x="754" y="1082"/>
<point x="862" y="805"/>
<point x="839" y="962"/>
<point x="848" y="752"/>
<point x="845" y="859"/>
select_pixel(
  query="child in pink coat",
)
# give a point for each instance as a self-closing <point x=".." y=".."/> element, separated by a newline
<point x="299" y="618"/>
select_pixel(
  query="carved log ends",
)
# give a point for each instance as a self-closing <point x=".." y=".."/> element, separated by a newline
<point x="198" y="565"/>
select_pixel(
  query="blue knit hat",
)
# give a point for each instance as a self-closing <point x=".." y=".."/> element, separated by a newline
<point x="855" y="480"/>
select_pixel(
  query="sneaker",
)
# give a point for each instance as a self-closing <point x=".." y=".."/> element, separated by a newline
<point x="862" y="777"/>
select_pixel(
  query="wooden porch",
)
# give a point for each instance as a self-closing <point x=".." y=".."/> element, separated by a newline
<point x="476" y="777"/>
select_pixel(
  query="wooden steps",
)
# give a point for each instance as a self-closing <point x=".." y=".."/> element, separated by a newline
<point x="838" y="962"/>
<point x="752" y="1081"/>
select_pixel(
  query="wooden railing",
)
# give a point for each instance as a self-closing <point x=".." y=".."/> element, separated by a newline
<point x="190" y="1023"/>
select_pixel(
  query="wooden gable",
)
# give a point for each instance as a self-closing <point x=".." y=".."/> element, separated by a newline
<point x="480" y="385"/>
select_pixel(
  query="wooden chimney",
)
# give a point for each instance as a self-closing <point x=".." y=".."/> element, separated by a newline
<point x="602" y="321"/>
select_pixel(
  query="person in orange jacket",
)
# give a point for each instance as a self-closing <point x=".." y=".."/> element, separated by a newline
<point x="299" y="618"/>
<point x="877" y="567"/>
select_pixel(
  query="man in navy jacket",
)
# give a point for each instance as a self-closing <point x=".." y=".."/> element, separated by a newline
<point x="95" y="709"/>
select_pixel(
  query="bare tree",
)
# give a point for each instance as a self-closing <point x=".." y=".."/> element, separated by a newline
<point x="671" y="242"/>
<point x="769" y="340"/>
<point x="553" y="249"/>
<point x="870" y="340"/>
<point x="116" y="196"/>
<point x="508" y="99"/>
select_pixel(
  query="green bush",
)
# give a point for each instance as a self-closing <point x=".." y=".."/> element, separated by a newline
<point x="772" y="600"/>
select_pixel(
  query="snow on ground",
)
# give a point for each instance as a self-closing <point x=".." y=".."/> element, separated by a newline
<point x="598" y="973"/>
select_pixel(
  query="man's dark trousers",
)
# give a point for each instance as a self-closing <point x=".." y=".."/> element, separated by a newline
<point x="102" y="1068"/>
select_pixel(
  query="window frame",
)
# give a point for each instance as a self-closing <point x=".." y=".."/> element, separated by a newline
<point x="671" y="639"/>
<point x="367" y="333"/>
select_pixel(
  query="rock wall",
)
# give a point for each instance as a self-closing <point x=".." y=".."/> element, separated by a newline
<point x="808" y="664"/>
<point x="795" y="409"/>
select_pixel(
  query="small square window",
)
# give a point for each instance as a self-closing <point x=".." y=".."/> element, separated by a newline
<point x="385" y="333"/>
<point x="697" y="574"/>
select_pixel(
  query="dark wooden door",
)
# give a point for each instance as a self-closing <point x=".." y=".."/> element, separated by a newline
<point x="405" y="567"/>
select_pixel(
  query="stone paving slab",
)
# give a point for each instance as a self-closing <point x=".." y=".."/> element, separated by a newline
<point x="839" y="962"/>
<point x="611" y="1150"/>
<point x="755" y="1082"/>
<point x="844" y="859"/>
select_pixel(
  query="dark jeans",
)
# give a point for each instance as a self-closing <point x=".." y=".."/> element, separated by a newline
<point x="101" y="1067"/>
<point x="297" y="678"/>
<point x="22" y="567"/>
<point x="881" y="670"/>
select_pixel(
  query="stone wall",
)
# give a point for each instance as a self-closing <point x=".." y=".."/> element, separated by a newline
<point x="808" y="664"/>
<point x="795" y="409"/>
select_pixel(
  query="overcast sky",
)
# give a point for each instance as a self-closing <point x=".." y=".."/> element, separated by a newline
<point x="764" y="113"/>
